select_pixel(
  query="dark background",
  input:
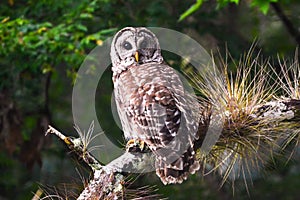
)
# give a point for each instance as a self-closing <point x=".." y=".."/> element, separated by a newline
<point x="43" y="43"/>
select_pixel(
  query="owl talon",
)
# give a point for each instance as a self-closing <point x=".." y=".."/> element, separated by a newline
<point x="130" y="143"/>
<point x="135" y="145"/>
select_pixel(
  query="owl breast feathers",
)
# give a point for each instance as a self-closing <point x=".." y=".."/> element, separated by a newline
<point x="153" y="104"/>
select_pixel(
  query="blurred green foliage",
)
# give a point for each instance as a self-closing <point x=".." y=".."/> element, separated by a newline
<point x="43" y="43"/>
<point x="262" y="5"/>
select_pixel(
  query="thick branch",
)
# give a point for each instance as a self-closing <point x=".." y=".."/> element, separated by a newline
<point x="104" y="186"/>
<point x="132" y="163"/>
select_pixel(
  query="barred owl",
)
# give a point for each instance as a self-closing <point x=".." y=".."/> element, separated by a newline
<point x="153" y="104"/>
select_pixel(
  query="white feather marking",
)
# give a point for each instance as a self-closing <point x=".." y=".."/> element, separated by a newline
<point x="151" y="90"/>
<point x="176" y="113"/>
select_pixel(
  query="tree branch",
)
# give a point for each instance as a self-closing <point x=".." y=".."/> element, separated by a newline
<point x="108" y="181"/>
<point x="287" y="23"/>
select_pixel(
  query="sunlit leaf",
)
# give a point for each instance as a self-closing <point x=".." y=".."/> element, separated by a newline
<point x="86" y="16"/>
<point x="191" y="10"/>
<point x="263" y="5"/>
<point x="5" y="19"/>
<point x="99" y="42"/>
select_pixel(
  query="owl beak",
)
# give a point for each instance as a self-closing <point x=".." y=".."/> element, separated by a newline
<point x="136" y="56"/>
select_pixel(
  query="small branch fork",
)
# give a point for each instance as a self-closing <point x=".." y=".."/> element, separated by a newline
<point x="105" y="183"/>
<point x="75" y="145"/>
<point x="108" y="181"/>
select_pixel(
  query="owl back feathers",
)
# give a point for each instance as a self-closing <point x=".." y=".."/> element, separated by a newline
<point x="155" y="108"/>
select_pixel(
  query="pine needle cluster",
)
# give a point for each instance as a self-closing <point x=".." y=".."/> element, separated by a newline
<point x="259" y="108"/>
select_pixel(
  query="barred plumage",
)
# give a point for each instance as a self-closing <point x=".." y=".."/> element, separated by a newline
<point x="153" y="105"/>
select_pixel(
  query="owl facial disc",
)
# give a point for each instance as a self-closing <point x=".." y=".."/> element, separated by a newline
<point x="134" y="46"/>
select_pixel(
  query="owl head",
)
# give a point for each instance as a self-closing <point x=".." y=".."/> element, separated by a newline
<point x="134" y="46"/>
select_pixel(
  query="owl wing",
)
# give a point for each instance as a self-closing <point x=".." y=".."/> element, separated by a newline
<point x="159" y="112"/>
<point x="152" y="108"/>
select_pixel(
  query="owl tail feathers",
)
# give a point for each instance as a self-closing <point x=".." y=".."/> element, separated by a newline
<point x="179" y="170"/>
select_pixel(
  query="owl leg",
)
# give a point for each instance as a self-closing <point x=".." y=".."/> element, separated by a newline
<point x="136" y="145"/>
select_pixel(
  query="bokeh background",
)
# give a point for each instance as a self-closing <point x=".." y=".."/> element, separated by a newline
<point x="43" y="43"/>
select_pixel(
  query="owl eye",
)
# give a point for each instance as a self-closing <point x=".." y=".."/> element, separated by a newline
<point x="144" y="44"/>
<point x="127" y="45"/>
